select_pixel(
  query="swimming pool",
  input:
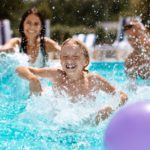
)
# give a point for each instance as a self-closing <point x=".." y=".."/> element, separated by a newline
<point x="49" y="122"/>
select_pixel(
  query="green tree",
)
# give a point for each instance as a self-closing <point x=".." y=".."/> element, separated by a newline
<point x="143" y="10"/>
<point x="85" y="12"/>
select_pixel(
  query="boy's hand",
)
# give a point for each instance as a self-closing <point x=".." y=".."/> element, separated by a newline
<point x="35" y="86"/>
<point x="123" y="97"/>
<point x="103" y="114"/>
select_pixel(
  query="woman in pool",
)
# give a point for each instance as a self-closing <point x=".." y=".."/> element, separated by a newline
<point x="73" y="78"/>
<point x="138" y="62"/>
<point x="32" y="41"/>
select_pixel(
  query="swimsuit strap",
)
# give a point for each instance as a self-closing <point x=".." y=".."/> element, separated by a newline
<point x="42" y="49"/>
<point x="45" y="56"/>
<point x="21" y="50"/>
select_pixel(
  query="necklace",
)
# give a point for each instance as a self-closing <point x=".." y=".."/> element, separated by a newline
<point x="33" y="51"/>
<point x="30" y="42"/>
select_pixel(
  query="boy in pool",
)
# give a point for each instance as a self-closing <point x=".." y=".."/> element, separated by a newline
<point x="73" y="78"/>
<point x="138" y="62"/>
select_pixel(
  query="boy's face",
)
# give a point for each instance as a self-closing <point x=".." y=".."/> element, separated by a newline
<point x="72" y="59"/>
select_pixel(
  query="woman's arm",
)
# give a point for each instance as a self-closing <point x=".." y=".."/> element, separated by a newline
<point x="51" y="45"/>
<point x="10" y="45"/>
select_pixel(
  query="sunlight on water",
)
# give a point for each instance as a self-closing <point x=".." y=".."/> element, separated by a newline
<point x="52" y="122"/>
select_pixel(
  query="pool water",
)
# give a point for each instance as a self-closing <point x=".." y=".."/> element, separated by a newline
<point x="52" y="123"/>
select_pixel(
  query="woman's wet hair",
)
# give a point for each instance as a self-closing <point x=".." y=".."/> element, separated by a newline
<point x="83" y="48"/>
<point x="23" y="47"/>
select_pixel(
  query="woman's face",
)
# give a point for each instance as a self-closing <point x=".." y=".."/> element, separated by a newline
<point x="32" y="26"/>
<point x="72" y="59"/>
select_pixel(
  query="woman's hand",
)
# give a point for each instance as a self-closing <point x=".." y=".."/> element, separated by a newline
<point x="35" y="86"/>
<point x="7" y="50"/>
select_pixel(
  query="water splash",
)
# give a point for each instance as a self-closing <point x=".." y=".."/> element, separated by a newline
<point x="52" y="122"/>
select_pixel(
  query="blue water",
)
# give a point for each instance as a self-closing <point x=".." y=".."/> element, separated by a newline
<point x="50" y="123"/>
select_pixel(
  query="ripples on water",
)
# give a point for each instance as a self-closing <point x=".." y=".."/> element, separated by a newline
<point x="50" y="122"/>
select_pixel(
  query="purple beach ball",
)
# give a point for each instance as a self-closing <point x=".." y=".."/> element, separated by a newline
<point x="129" y="129"/>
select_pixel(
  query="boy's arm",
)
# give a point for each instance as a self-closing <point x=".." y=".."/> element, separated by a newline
<point x="30" y="73"/>
<point x="34" y="83"/>
<point x="26" y="73"/>
<point x="123" y="98"/>
<point x="105" y="112"/>
<point x="110" y="89"/>
<point x="108" y="110"/>
<point x="131" y="66"/>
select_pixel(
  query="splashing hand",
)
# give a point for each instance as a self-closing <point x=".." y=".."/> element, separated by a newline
<point x="35" y="86"/>
<point x="7" y="50"/>
<point x="103" y="114"/>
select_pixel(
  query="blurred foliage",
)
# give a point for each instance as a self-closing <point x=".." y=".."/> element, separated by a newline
<point x="139" y="8"/>
<point x="61" y="32"/>
<point x="72" y="16"/>
<point x="143" y="10"/>
<point x="86" y="12"/>
<point x="103" y="36"/>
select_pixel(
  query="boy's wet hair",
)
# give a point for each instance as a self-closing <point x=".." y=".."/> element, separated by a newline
<point x="127" y="27"/>
<point x="83" y="48"/>
<point x="134" y="22"/>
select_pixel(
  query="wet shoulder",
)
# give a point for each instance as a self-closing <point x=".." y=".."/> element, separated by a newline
<point x="93" y="77"/>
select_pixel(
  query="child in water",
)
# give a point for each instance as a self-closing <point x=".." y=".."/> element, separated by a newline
<point x="137" y="63"/>
<point x="73" y="78"/>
